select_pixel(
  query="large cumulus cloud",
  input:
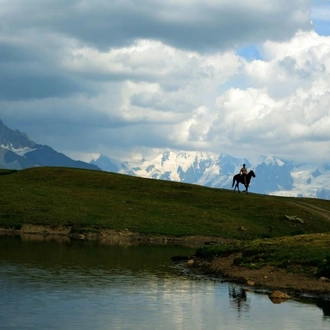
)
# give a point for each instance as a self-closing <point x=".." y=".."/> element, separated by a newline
<point x="285" y="110"/>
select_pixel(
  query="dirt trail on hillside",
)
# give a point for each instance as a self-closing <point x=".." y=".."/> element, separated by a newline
<point x="314" y="209"/>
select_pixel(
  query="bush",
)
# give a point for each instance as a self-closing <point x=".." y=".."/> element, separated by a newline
<point x="323" y="269"/>
<point x="210" y="252"/>
<point x="298" y="232"/>
<point x="6" y="172"/>
<point x="238" y="261"/>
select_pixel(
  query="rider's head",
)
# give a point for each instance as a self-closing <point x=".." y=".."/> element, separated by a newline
<point x="243" y="165"/>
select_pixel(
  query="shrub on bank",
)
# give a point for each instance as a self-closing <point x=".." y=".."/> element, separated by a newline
<point x="323" y="269"/>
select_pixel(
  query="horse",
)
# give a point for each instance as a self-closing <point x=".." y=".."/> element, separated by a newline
<point x="240" y="179"/>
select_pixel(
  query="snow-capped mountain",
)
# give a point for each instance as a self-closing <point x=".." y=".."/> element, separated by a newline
<point x="17" y="151"/>
<point x="273" y="175"/>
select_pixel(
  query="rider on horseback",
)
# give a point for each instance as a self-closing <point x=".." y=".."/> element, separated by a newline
<point x="244" y="172"/>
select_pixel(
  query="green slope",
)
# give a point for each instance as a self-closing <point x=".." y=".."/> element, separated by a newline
<point x="94" y="200"/>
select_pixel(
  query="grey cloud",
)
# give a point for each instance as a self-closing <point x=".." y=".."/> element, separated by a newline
<point x="161" y="102"/>
<point x="146" y="101"/>
<point x="13" y="53"/>
<point x="31" y="55"/>
<point x="304" y="71"/>
<point x="29" y="73"/>
<point x="206" y="29"/>
<point x="30" y="86"/>
<point x="67" y="128"/>
<point x="194" y="26"/>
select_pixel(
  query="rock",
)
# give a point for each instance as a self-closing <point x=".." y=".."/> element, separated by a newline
<point x="278" y="297"/>
<point x="324" y="279"/>
<point x="250" y="283"/>
<point x="210" y="243"/>
<point x="279" y="294"/>
<point x="294" y="218"/>
<point x="190" y="262"/>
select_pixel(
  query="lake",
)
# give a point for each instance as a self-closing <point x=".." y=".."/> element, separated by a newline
<point x="84" y="285"/>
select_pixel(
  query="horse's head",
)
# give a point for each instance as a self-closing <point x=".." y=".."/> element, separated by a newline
<point x="252" y="173"/>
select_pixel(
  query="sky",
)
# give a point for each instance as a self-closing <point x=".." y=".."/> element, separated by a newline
<point x="134" y="78"/>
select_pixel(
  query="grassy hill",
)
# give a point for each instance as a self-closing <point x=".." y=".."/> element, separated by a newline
<point x="94" y="200"/>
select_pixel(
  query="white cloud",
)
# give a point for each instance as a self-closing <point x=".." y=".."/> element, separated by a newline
<point x="148" y="60"/>
<point x="280" y="122"/>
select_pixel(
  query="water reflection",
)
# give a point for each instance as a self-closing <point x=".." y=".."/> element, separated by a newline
<point x="86" y="285"/>
<point x="238" y="299"/>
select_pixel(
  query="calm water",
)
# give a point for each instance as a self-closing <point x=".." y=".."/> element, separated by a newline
<point x="88" y="286"/>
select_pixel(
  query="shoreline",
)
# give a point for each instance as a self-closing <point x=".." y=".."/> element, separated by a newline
<point x="265" y="279"/>
<point x="109" y="236"/>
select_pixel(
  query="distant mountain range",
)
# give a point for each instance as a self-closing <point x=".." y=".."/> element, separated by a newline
<point x="18" y="152"/>
<point x="273" y="175"/>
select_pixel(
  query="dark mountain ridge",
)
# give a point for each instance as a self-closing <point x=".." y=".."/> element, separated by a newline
<point x="17" y="151"/>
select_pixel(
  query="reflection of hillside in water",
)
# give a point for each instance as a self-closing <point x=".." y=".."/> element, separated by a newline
<point x="83" y="258"/>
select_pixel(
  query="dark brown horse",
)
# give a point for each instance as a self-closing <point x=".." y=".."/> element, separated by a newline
<point x="238" y="178"/>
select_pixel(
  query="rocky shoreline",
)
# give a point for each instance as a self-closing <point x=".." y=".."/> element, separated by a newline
<point x="267" y="279"/>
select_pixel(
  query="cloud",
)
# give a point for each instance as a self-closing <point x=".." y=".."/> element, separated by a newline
<point x="288" y="107"/>
<point x="191" y="25"/>
<point x="290" y="65"/>
<point x="121" y="77"/>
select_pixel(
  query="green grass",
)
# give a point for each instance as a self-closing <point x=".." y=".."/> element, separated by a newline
<point x="94" y="200"/>
<point x="303" y="253"/>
